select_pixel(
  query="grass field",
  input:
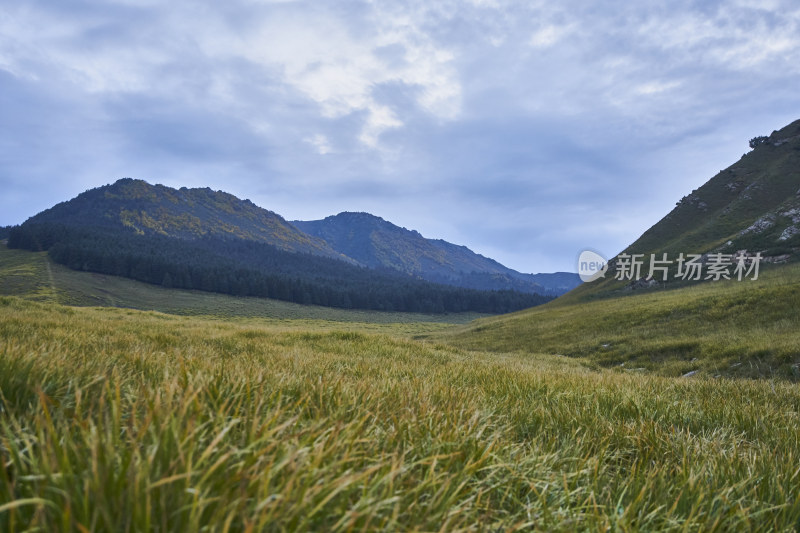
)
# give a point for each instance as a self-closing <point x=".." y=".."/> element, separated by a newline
<point x="121" y="420"/>
<point x="727" y="328"/>
<point x="277" y="418"/>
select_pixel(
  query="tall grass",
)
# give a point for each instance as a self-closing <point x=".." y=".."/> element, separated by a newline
<point x="119" y="420"/>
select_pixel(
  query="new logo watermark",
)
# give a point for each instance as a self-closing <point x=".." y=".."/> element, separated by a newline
<point x="695" y="267"/>
<point x="591" y="266"/>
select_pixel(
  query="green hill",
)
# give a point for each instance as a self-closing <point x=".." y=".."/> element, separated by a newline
<point x="138" y="207"/>
<point x="215" y="242"/>
<point x="93" y="233"/>
<point x="753" y="206"/>
<point x="764" y="185"/>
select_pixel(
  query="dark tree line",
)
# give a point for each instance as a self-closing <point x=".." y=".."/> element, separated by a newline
<point x="249" y="268"/>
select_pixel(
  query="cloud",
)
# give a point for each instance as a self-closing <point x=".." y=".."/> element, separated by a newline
<point x="321" y="143"/>
<point x="339" y="69"/>
<point x="656" y="87"/>
<point x="305" y="47"/>
<point x="511" y="127"/>
<point x="734" y="37"/>
<point x="549" y="35"/>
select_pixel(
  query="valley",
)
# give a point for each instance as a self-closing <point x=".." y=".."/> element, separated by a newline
<point x="621" y="405"/>
<point x="261" y="414"/>
<point x="397" y="266"/>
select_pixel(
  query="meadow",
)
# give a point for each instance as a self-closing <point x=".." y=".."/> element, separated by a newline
<point x="748" y="329"/>
<point x="571" y="416"/>
<point x="123" y="420"/>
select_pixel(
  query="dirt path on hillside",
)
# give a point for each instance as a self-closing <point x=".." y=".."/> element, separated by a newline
<point x="51" y="278"/>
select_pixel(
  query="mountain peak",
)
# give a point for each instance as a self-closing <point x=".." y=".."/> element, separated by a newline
<point x="377" y="243"/>
<point x="136" y="206"/>
<point x="355" y="215"/>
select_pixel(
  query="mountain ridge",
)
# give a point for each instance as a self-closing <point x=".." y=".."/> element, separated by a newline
<point x="687" y="328"/>
<point x="215" y="242"/>
<point x="138" y="207"/>
<point x="751" y="207"/>
<point x="378" y="243"/>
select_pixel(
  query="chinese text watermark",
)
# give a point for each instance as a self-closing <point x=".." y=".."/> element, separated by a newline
<point x="688" y="267"/>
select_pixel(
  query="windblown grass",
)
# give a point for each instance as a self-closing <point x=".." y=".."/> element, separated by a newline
<point x="117" y="420"/>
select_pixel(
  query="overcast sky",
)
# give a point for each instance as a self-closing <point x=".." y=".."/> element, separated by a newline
<point x="525" y="130"/>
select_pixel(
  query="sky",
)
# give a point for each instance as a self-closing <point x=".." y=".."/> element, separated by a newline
<point x="525" y="130"/>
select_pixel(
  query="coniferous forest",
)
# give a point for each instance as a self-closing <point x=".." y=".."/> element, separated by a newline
<point x="248" y="268"/>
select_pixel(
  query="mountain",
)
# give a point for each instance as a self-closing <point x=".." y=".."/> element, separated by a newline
<point x="137" y="207"/>
<point x="212" y="241"/>
<point x="723" y="328"/>
<point x="753" y="206"/>
<point x="379" y="244"/>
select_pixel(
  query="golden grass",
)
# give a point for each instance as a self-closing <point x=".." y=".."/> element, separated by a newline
<point x="119" y="420"/>
<point x="728" y="328"/>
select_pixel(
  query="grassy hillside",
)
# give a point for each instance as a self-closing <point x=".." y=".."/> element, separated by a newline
<point x="752" y="205"/>
<point x="121" y="420"/>
<point x="33" y="276"/>
<point x="761" y="182"/>
<point x="727" y="328"/>
<point x="713" y="328"/>
<point x="26" y="274"/>
<point x="136" y="206"/>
